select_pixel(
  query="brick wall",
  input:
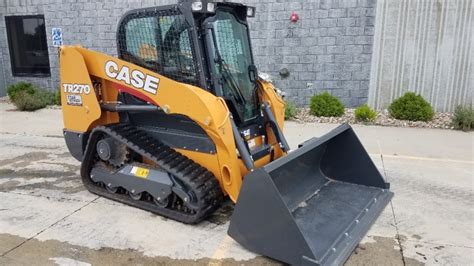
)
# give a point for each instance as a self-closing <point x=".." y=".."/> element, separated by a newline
<point x="20" y="7"/>
<point x="91" y="24"/>
<point x="328" y="49"/>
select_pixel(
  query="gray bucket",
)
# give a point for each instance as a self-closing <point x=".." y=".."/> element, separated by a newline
<point x="312" y="206"/>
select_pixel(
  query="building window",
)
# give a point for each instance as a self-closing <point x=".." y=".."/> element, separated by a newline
<point x="28" y="46"/>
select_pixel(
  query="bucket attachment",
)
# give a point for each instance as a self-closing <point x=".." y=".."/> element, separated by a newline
<point x="312" y="206"/>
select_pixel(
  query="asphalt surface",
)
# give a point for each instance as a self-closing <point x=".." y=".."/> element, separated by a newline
<point x="47" y="217"/>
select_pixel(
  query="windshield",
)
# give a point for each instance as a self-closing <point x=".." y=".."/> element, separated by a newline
<point x="233" y="60"/>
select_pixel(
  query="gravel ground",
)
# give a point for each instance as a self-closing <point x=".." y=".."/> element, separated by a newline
<point x="5" y="99"/>
<point x="55" y="107"/>
<point x="440" y="120"/>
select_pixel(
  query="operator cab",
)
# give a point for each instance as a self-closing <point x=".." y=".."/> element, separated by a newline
<point x="205" y="44"/>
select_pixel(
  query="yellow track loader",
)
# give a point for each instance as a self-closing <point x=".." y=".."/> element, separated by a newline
<point x="181" y="120"/>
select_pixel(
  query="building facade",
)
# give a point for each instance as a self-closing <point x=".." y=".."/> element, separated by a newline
<point x="426" y="47"/>
<point x="331" y="47"/>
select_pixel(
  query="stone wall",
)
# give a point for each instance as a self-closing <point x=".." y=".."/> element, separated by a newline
<point x="328" y="49"/>
<point x="91" y="24"/>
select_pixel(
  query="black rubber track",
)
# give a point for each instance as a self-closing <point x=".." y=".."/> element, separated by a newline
<point x="195" y="177"/>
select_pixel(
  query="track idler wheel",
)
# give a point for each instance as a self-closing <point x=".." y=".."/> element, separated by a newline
<point x="112" y="151"/>
<point x="162" y="202"/>
<point x="134" y="195"/>
<point x="111" y="189"/>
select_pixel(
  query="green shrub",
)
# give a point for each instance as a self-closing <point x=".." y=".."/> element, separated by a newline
<point x="27" y="97"/>
<point x="57" y="98"/>
<point x="365" y="113"/>
<point x="31" y="102"/>
<point x="290" y="110"/>
<point x="463" y="118"/>
<point x="325" y="104"/>
<point x="411" y="107"/>
<point x="14" y="90"/>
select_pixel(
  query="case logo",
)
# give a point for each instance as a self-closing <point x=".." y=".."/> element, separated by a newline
<point x="135" y="78"/>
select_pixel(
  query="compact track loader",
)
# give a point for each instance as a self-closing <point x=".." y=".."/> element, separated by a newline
<point x="181" y="119"/>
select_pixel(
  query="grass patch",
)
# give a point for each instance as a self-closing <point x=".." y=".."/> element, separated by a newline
<point x="290" y="110"/>
<point x="364" y="113"/>
<point x="463" y="118"/>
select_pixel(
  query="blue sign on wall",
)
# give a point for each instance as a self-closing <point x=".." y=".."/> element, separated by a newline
<point x="57" y="36"/>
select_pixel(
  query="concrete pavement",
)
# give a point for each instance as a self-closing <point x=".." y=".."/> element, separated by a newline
<point x="46" y="216"/>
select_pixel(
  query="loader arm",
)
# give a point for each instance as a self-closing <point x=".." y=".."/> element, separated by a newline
<point x="104" y="77"/>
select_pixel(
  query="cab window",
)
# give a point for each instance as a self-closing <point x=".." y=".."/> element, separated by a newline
<point x="160" y="43"/>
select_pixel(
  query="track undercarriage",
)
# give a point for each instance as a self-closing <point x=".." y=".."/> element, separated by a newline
<point x="172" y="185"/>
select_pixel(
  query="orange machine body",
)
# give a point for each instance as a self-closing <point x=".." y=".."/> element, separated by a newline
<point x="89" y="79"/>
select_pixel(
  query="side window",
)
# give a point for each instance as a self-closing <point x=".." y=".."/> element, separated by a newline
<point x="28" y="45"/>
<point x="141" y="38"/>
<point x="229" y="46"/>
<point x="161" y="43"/>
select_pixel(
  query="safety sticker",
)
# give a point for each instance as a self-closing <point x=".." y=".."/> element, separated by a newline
<point x="57" y="36"/>
<point x="74" y="99"/>
<point x="252" y="143"/>
<point x="140" y="172"/>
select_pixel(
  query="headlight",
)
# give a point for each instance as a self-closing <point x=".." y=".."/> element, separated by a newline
<point x="211" y="7"/>
<point x="196" y="6"/>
